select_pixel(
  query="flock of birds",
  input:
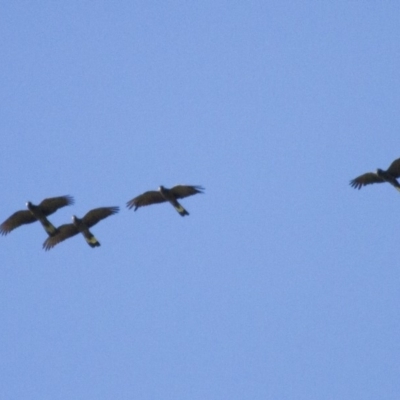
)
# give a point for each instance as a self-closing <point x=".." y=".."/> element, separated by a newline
<point x="50" y="205"/>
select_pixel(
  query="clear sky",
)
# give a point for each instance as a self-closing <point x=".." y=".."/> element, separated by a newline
<point x="284" y="282"/>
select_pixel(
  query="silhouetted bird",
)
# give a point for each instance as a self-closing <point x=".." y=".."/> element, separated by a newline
<point x="81" y="225"/>
<point x="163" y="194"/>
<point x="36" y="213"/>
<point x="390" y="175"/>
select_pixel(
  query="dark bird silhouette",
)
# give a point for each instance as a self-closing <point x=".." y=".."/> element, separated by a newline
<point x="36" y="213"/>
<point x="80" y="225"/>
<point x="390" y="175"/>
<point x="163" y="194"/>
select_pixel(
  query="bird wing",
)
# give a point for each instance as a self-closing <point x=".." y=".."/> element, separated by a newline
<point x="181" y="191"/>
<point x="394" y="168"/>
<point x="64" y="232"/>
<point x="366" y="179"/>
<point x="52" y="204"/>
<point x="17" y="219"/>
<point x="145" y="199"/>
<point x="97" y="214"/>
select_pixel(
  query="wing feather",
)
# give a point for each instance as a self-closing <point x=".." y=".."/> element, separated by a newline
<point x="365" y="179"/>
<point x="64" y="232"/>
<point x="52" y="204"/>
<point x="394" y="168"/>
<point x="97" y="214"/>
<point x="145" y="199"/>
<point x="181" y="191"/>
<point x="17" y="219"/>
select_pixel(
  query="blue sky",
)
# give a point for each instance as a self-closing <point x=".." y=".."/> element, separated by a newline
<point x="283" y="283"/>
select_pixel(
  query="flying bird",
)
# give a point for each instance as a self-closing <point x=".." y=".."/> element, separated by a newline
<point x="390" y="175"/>
<point x="163" y="194"/>
<point x="36" y="213"/>
<point x="80" y="225"/>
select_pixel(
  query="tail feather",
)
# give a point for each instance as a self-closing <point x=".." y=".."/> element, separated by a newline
<point x="50" y="229"/>
<point x="92" y="241"/>
<point x="181" y="210"/>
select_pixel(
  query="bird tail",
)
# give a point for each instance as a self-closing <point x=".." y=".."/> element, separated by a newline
<point x="181" y="210"/>
<point x="92" y="241"/>
<point x="48" y="226"/>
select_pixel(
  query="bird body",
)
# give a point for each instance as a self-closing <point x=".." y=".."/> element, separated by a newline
<point x="165" y="195"/>
<point x="36" y="213"/>
<point x="40" y="216"/>
<point x="390" y="175"/>
<point x="83" y="228"/>
<point x="81" y="225"/>
<point x="168" y="195"/>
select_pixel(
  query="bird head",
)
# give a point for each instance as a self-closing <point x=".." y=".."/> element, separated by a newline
<point x="29" y="205"/>
<point x="379" y="172"/>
